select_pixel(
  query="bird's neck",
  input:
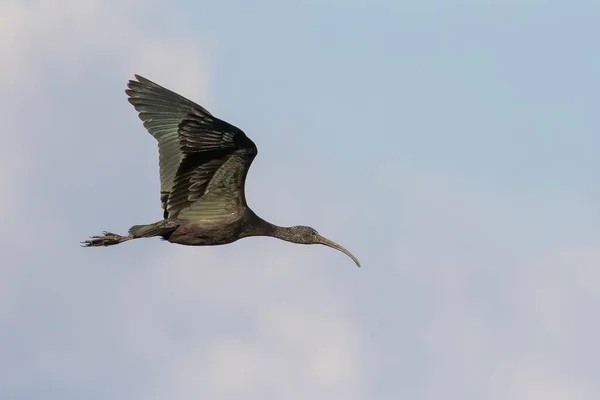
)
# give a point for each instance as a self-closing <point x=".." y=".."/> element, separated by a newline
<point x="280" y="232"/>
<point x="260" y="227"/>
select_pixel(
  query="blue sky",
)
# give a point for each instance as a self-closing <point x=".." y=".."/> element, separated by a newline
<point x="451" y="146"/>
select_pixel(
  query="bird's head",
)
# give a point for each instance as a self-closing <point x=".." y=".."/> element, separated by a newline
<point x="307" y="235"/>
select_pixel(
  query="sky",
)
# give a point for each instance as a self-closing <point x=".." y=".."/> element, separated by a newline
<point x="450" y="145"/>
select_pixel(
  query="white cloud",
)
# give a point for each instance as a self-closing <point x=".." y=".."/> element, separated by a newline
<point x="504" y="312"/>
<point x="291" y="333"/>
<point x="510" y="315"/>
<point x="535" y="380"/>
<point x="72" y="34"/>
<point x="298" y="342"/>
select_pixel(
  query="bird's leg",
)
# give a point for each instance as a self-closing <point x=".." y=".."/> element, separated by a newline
<point x="107" y="239"/>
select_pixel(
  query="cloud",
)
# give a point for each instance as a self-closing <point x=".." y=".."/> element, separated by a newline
<point x="534" y="380"/>
<point x="507" y="310"/>
<point x="261" y="331"/>
<point x="469" y="289"/>
<point x="37" y="35"/>
<point x="290" y="334"/>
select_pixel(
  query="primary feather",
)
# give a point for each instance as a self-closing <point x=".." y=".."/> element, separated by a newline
<point x="203" y="160"/>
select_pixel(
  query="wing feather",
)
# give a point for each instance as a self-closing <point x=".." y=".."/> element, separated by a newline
<point x="161" y="112"/>
<point x="203" y="160"/>
<point x="211" y="177"/>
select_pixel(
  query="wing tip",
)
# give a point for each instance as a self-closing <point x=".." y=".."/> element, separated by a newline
<point x="137" y="87"/>
<point x="141" y="79"/>
<point x="140" y="82"/>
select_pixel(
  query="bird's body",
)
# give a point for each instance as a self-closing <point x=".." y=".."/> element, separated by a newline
<point x="203" y="163"/>
<point x="206" y="232"/>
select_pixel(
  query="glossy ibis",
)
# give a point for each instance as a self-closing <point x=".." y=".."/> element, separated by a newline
<point x="203" y="166"/>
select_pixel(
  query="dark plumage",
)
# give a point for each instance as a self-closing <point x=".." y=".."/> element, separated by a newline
<point x="203" y="166"/>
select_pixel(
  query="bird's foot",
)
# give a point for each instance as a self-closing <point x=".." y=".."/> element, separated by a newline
<point x="107" y="239"/>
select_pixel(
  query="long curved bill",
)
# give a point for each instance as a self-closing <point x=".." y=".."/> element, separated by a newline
<point x="334" y="245"/>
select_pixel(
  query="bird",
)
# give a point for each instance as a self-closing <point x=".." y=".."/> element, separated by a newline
<point x="203" y="164"/>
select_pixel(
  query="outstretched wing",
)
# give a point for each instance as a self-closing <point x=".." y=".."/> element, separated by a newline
<point x="204" y="161"/>
<point x="210" y="180"/>
<point x="162" y="111"/>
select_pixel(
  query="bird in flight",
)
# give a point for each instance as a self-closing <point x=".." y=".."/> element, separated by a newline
<point x="203" y="164"/>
